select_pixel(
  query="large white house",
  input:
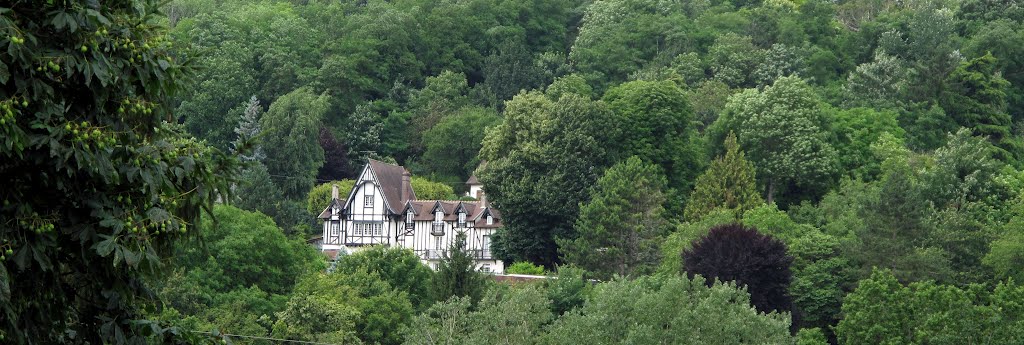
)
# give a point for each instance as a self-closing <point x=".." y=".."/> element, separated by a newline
<point x="382" y="209"/>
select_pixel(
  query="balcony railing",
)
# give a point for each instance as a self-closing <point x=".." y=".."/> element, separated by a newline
<point x="437" y="229"/>
<point x="476" y="254"/>
<point x="409" y="225"/>
<point x="434" y="254"/>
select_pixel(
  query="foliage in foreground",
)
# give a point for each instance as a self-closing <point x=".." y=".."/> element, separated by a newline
<point x="649" y="310"/>
<point x="883" y="311"/>
<point x="97" y="187"/>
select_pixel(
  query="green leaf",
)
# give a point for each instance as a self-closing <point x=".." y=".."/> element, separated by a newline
<point x="158" y="215"/>
<point x="4" y="73"/>
<point x="131" y="258"/>
<point x="5" y="285"/>
<point x="106" y="246"/>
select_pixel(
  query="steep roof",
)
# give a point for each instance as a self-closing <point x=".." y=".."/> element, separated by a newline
<point x="390" y="178"/>
<point x="327" y="211"/>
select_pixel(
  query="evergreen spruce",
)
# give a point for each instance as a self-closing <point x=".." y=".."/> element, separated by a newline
<point x="249" y="128"/>
<point x="728" y="183"/>
<point x="620" y="229"/>
<point x="457" y="275"/>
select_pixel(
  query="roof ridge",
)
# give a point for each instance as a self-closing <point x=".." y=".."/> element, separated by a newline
<point x="445" y="200"/>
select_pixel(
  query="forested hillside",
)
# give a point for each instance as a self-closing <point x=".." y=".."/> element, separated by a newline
<point x="691" y="172"/>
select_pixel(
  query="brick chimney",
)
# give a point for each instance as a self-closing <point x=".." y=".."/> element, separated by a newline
<point x="334" y="192"/>
<point x="482" y="196"/>
<point x="405" y="185"/>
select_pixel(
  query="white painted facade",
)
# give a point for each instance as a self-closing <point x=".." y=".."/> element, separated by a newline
<point x="428" y="227"/>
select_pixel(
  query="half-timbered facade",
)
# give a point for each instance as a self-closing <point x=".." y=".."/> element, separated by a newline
<point x="382" y="209"/>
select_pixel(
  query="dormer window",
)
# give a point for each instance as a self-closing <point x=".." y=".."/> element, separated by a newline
<point x="437" y="229"/>
<point x="409" y="219"/>
<point x="490" y="220"/>
<point x="462" y="219"/>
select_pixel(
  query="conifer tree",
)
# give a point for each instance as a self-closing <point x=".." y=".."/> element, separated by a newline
<point x="620" y="228"/>
<point x="976" y="99"/>
<point x="457" y="275"/>
<point x="249" y="128"/>
<point x="728" y="183"/>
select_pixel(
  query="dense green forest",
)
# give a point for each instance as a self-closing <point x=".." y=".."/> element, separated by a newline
<point x="696" y="171"/>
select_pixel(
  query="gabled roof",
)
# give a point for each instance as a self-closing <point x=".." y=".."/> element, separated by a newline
<point x="461" y="207"/>
<point x="475" y="212"/>
<point x="327" y="211"/>
<point x="389" y="176"/>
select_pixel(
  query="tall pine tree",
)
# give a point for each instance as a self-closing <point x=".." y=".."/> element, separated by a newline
<point x="728" y="183"/>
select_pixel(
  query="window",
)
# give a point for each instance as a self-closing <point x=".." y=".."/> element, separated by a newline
<point x="409" y="219"/>
<point x="437" y="242"/>
<point x="485" y="247"/>
<point x="486" y="268"/>
<point x="367" y="229"/>
<point x="438" y="216"/>
<point x="490" y="220"/>
<point x="368" y="199"/>
<point x="462" y="218"/>
<point x="333" y="232"/>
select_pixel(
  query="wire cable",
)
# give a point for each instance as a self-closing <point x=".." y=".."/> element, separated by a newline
<point x="264" y="338"/>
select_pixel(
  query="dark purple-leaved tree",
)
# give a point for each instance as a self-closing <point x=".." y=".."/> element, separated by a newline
<point x="336" y="165"/>
<point x="731" y="252"/>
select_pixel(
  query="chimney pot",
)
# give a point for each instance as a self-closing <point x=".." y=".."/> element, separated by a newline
<point x="334" y="191"/>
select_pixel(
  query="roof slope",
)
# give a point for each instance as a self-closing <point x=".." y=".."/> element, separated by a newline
<point x="390" y="178"/>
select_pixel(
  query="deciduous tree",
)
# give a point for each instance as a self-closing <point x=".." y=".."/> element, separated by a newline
<point x="453" y="144"/>
<point x="336" y="164"/>
<point x="400" y="268"/>
<point x="97" y="188"/>
<point x="752" y="260"/>
<point x="542" y="159"/>
<point x="291" y="140"/>
<point x="656" y="118"/>
<point x="668" y="310"/>
<point x="783" y="130"/>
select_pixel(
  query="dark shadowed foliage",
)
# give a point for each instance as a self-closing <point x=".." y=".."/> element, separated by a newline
<point x="731" y="252"/>
<point x="336" y="165"/>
